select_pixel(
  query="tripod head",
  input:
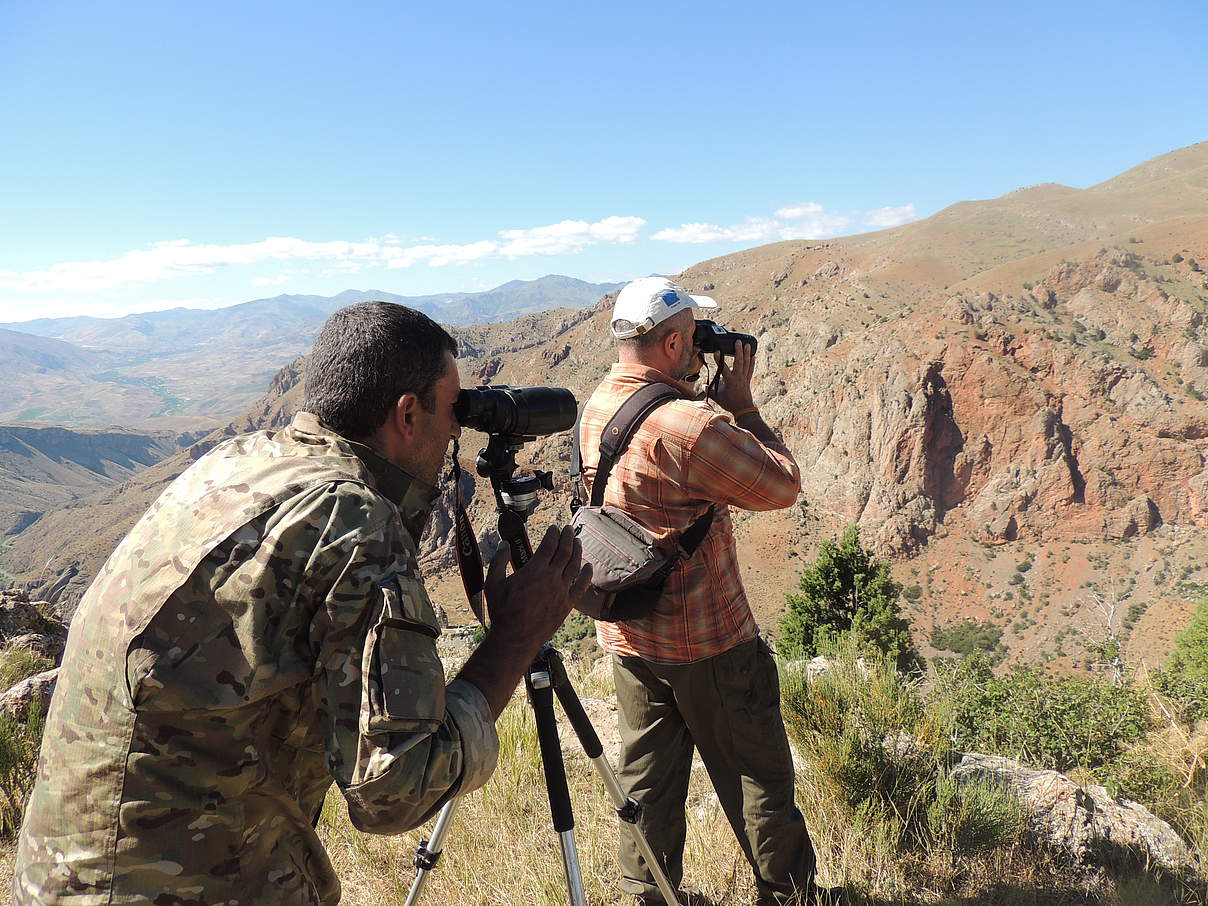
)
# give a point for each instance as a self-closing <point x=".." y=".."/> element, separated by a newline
<point x="515" y="495"/>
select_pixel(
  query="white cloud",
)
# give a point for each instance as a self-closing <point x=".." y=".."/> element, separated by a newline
<point x="754" y="229"/>
<point x="566" y="238"/>
<point x="882" y="218"/>
<point x="270" y="281"/>
<point x="804" y="220"/>
<point x="797" y="211"/>
<point x="180" y="258"/>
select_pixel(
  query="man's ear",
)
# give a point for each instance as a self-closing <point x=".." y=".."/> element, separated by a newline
<point x="404" y="413"/>
<point x="672" y="342"/>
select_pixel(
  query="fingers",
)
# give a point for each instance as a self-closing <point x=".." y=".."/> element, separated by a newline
<point x="743" y="358"/>
<point x="582" y="581"/>
<point x="549" y="544"/>
<point x="498" y="566"/>
<point x="574" y="561"/>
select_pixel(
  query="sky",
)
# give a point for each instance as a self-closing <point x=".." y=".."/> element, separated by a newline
<point x="155" y="155"/>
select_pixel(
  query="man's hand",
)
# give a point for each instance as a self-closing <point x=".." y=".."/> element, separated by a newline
<point x="526" y="608"/>
<point x="529" y="605"/>
<point x="734" y="382"/>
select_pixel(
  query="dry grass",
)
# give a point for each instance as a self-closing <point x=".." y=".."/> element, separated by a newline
<point x="8" y="853"/>
<point x="502" y="849"/>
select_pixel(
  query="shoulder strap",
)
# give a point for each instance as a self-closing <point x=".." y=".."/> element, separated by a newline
<point x="620" y="430"/>
<point x="616" y="437"/>
<point x="576" y="463"/>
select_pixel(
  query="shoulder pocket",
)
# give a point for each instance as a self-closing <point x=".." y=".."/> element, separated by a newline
<point x="404" y="678"/>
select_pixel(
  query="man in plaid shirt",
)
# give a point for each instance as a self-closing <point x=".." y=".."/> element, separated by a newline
<point x="694" y="671"/>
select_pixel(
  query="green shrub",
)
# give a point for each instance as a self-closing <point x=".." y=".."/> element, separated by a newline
<point x="847" y="590"/>
<point x="873" y="745"/>
<point x="19" y="744"/>
<point x="1046" y="720"/>
<point x="17" y="664"/>
<point x="971" y="637"/>
<point x="576" y="636"/>
<point x="1184" y="678"/>
<point x="1140" y="775"/>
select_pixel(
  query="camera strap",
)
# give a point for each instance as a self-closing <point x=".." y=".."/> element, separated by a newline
<point x="615" y="438"/>
<point x="465" y="545"/>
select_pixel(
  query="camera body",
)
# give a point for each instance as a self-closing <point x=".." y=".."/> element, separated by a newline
<point x="712" y="337"/>
<point x="516" y="411"/>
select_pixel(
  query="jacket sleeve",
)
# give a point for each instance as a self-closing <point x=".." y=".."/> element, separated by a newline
<point x="728" y="464"/>
<point x="400" y="742"/>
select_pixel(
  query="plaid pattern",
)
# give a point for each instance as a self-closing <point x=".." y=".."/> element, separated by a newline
<point x="684" y="457"/>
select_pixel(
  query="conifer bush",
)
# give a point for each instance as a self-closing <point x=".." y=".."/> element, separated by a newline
<point x="846" y="591"/>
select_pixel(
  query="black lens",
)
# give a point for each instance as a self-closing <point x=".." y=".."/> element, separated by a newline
<point x="516" y="411"/>
<point x="712" y="337"/>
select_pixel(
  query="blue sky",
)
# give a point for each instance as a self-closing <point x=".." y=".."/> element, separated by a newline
<point x="161" y="154"/>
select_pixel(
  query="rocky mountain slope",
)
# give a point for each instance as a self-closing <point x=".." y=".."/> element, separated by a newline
<point x="1007" y="397"/>
<point x="188" y="369"/>
<point x="44" y="467"/>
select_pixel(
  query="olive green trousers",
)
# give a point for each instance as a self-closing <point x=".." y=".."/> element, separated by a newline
<point x="728" y="708"/>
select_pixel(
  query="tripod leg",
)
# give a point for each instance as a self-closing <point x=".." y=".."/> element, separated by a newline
<point x="428" y="852"/>
<point x="627" y="809"/>
<point x="541" y="697"/>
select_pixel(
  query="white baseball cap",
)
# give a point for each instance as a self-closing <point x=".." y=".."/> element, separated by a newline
<point x="649" y="301"/>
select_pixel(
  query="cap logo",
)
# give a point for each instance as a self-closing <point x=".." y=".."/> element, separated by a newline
<point x="670" y="298"/>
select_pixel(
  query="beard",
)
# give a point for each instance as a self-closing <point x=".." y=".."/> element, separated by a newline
<point x="688" y="370"/>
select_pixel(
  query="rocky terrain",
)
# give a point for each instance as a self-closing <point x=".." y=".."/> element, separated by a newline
<point x="1008" y="398"/>
<point x="43" y="466"/>
<point x="188" y="369"/>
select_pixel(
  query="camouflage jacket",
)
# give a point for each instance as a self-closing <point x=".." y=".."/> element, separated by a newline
<point x="260" y="632"/>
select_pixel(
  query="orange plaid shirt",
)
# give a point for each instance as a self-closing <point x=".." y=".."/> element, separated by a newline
<point x="686" y="456"/>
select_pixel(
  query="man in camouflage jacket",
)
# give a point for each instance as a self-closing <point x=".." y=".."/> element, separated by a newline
<point x="264" y="630"/>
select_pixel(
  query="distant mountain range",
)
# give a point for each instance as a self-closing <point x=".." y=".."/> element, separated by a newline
<point x="186" y="369"/>
<point x="1009" y="397"/>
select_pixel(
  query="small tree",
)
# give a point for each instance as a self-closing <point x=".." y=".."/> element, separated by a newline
<point x="847" y="590"/>
<point x="1190" y="656"/>
<point x="1185" y="676"/>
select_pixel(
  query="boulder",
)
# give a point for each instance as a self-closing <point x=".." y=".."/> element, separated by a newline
<point x="17" y="701"/>
<point x="1085" y="822"/>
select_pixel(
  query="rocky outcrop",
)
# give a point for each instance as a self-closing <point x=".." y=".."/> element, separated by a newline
<point x="34" y="627"/>
<point x="30" y="624"/>
<point x="29" y="693"/>
<point x="1082" y="821"/>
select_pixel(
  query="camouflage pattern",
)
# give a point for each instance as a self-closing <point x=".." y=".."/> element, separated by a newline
<point x="261" y="631"/>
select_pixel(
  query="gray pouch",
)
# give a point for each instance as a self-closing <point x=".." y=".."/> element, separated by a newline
<point x="630" y="565"/>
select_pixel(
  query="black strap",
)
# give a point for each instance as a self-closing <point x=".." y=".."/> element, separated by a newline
<point x="615" y="438"/>
<point x="620" y="430"/>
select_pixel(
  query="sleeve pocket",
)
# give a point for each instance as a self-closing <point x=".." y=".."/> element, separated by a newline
<point x="405" y="681"/>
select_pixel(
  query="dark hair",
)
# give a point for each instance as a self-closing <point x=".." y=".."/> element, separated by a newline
<point x="367" y="356"/>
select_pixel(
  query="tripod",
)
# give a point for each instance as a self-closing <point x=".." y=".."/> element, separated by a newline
<point x="516" y="498"/>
